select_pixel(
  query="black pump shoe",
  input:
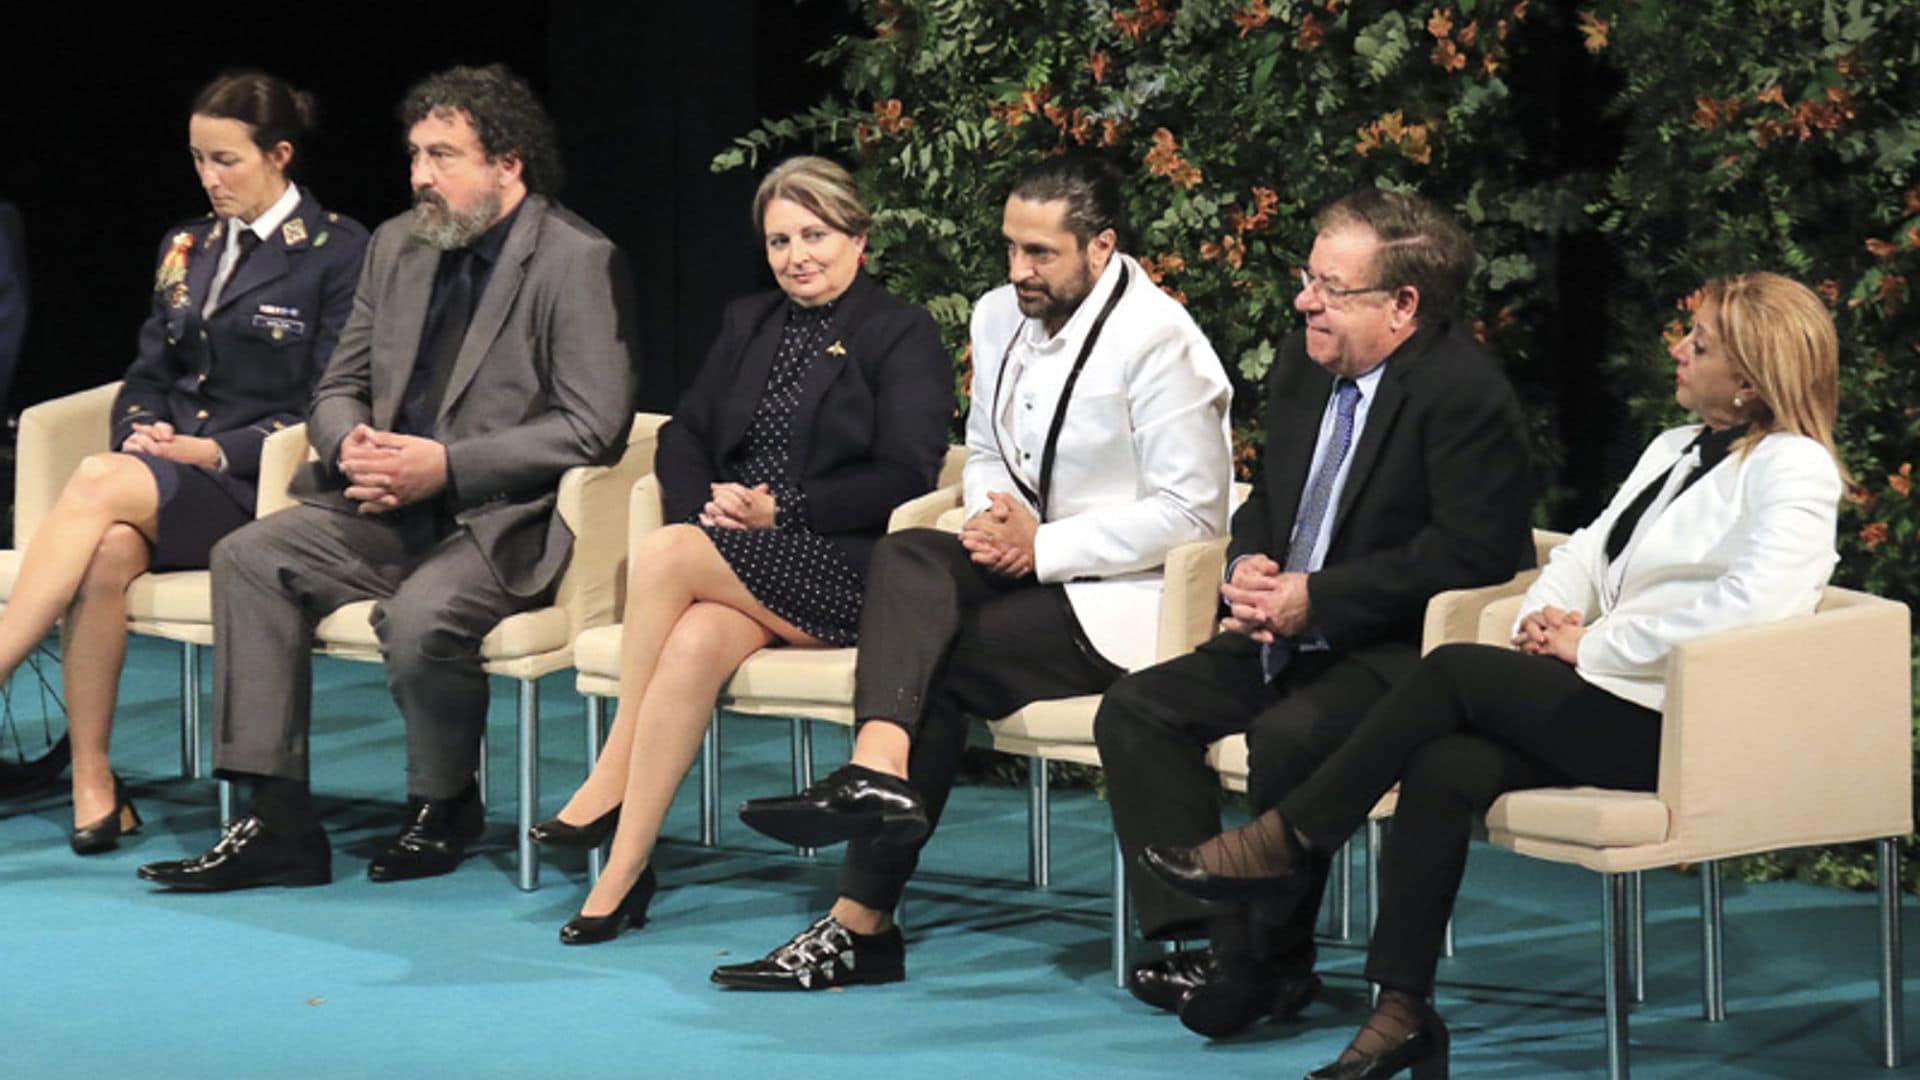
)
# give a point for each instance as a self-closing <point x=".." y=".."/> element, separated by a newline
<point x="1424" y="1052"/>
<point x="631" y="913"/>
<point x="557" y="833"/>
<point x="104" y="834"/>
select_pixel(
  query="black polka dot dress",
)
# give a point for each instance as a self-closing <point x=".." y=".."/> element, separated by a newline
<point x="800" y="575"/>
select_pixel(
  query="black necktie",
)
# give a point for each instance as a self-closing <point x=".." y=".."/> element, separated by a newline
<point x="1713" y="446"/>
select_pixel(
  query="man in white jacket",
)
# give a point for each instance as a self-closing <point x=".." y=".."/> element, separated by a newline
<point x="1098" y="441"/>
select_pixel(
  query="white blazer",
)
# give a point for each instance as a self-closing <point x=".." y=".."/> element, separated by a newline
<point x="1144" y="462"/>
<point x="1751" y="541"/>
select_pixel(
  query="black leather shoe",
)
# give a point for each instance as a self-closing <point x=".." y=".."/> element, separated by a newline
<point x="1176" y="866"/>
<point x="1164" y="980"/>
<point x="1424" y="1052"/>
<point x="434" y="840"/>
<point x="632" y="912"/>
<point x="248" y="856"/>
<point x="821" y="957"/>
<point x="104" y="834"/>
<point x="852" y="803"/>
<point x="554" y="832"/>
<point x="1232" y="996"/>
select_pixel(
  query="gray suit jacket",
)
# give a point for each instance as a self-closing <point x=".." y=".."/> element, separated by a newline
<point x="543" y="381"/>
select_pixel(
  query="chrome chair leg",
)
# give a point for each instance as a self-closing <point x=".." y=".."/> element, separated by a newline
<point x="226" y="803"/>
<point x="1376" y="838"/>
<point x="1446" y="940"/>
<point x="802" y="739"/>
<point x="1713" y="982"/>
<point x="1893" y="1035"/>
<point x="529" y="782"/>
<point x="596" y="734"/>
<point x="1613" y="934"/>
<point x="480" y="772"/>
<point x="1637" y="939"/>
<point x="1039" y="824"/>
<point x="1337" y="913"/>
<point x="710" y="782"/>
<point x="192" y="766"/>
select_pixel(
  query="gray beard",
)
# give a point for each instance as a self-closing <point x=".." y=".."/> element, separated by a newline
<point x="438" y="227"/>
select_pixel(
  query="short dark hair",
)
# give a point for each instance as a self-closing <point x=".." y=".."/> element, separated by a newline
<point x="274" y="111"/>
<point x="504" y="113"/>
<point x="1421" y="245"/>
<point x="1087" y="183"/>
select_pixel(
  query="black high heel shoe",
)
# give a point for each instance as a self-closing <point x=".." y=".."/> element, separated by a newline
<point x="1423" y="1049"/>
<point x="554" y="832"/>
<point x="632" y="912"/>
<point x="104" y="834"/>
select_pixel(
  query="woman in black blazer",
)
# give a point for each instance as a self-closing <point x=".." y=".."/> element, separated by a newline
<point x="247" y="303"/>
<point x="820" y="408"/>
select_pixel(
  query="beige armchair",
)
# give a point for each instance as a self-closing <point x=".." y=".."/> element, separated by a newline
<point x="1745" y="769"/>
<point x="798" y="685"/>
<point x="534" y="643"/>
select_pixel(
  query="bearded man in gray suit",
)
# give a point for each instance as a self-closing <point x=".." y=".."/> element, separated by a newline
<point x="489" y="350"/>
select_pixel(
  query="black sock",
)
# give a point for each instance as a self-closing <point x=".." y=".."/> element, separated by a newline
<point x="285" y="805"/>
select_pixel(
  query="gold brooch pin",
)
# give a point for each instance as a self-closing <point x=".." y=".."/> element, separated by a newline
<point x="836" y="349"/>
<point x="293" y="232"/>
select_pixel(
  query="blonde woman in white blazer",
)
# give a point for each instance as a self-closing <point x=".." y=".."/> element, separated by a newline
<point x="1723" y="523"/>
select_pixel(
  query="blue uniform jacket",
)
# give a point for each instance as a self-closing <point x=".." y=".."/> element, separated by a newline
<point x="246" y="370"/>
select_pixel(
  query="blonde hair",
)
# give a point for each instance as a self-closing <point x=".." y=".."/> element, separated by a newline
<point x="826" y="190"/>
<point x="1779" y="337"/>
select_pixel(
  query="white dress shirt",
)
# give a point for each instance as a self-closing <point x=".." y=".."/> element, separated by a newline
<point x="1144" y="461"/>
<point x="262" y="227"/>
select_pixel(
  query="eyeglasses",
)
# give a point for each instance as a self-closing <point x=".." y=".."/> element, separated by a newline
<point x="1332" y="296"/>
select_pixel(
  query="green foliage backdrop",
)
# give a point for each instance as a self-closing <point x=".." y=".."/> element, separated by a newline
<point x="1729" y="135"/>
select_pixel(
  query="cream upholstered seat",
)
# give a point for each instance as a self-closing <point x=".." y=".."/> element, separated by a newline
<point x="1783" y="735"/>
<point x="534" y="643"/>
<point x="799" y="685"/>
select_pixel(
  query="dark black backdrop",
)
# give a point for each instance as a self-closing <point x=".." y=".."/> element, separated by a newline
<point x="93" y="124"/>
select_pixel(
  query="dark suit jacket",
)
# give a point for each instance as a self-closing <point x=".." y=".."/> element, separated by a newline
<point x="543" y="381"/>
<point x="869" y="431"/>
<point x="1437" y="497"/>
<point x="244" y="371"/>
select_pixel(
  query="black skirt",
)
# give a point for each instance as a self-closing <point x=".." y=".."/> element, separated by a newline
<point x="197" y="507"/>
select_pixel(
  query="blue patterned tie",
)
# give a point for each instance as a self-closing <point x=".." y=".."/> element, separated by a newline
<point x="1313" y="510"/>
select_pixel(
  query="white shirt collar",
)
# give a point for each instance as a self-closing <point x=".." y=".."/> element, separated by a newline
<point x="1082" y="318"/>
<point x="263" y="226"/>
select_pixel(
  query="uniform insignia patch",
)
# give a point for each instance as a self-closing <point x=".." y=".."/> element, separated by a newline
<point x="173" y="265"/>
<point x="321" y="240"/>
<point x="293" y="232"/>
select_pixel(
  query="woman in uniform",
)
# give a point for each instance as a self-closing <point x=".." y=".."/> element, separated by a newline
<point x="247" y="303"/>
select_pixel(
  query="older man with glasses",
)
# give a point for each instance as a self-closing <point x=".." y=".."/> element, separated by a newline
<point x="1395" y="467"/>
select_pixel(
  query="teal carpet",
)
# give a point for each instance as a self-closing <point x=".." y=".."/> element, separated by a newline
<point x="462" y="976"/>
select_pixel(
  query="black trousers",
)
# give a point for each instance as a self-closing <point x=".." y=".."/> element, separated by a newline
<point x="1470" y="723"/>
<point x="942" y="640"/>
<point x="1154" y="727"/>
